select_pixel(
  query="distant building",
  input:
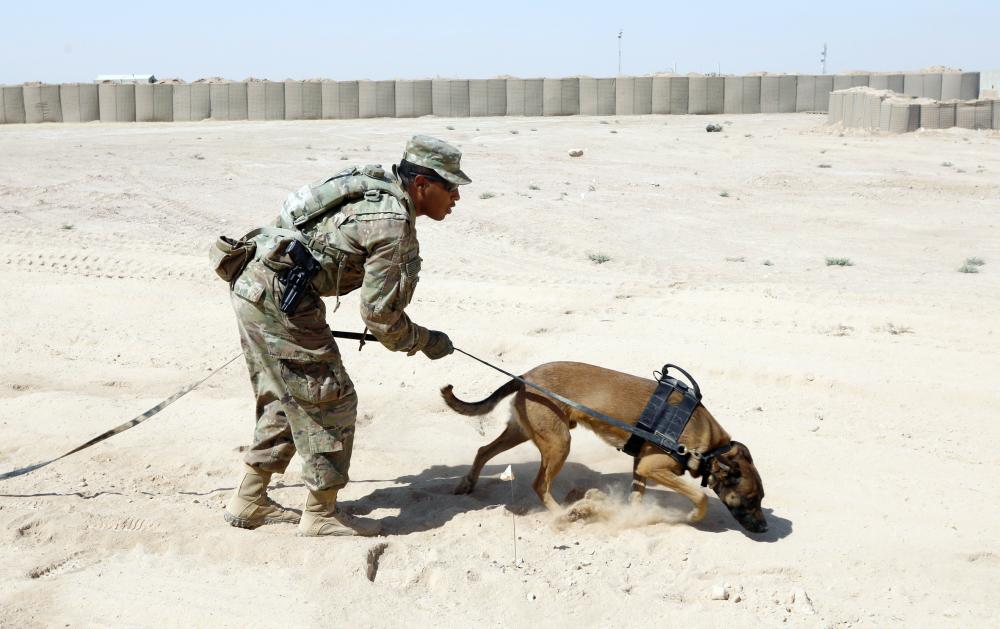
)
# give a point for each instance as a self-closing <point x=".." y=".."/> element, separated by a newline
<point x="126" y="78"/>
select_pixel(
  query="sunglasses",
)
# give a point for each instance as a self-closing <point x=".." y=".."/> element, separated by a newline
<point x="447" y="185"/>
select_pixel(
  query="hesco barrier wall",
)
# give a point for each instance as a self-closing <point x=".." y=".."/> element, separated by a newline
<point x="597" y="97"/>
<point x="154" y="102"/>
<point x="487" y="97"/>
<point x="265" y="100"/>
<point x="870" y="108"/>
<point x="228" y="101"/>
<point x="116" y="103"/>
<point x="413" y="99"/>
<point x="450" y="98"/>
<point x="79" y="102"/>
<point x="560" y="97"/>
<point x="192" y="101"/>
<point x="42" y="104"/>
<point x="622" y="96"/>
<point x="525" y="97"/>
<point x="303" y="100"/>
<point x="12" y="105"/>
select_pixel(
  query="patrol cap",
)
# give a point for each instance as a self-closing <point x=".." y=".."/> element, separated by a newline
<point x="439" y="156"/>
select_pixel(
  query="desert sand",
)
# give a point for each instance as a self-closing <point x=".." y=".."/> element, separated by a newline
<point x="867" y="393"/>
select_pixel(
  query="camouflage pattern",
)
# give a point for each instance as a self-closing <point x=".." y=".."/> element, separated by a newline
<point x="443" y="158"/>
<point x="305" y="400"/>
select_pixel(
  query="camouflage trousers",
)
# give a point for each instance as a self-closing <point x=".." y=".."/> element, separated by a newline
<point x="305" y="401"/>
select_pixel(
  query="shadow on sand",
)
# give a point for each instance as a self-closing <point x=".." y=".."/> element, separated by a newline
<point x="425" y="501"/>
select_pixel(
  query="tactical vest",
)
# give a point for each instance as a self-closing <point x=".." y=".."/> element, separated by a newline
<point x="353" y="184"/>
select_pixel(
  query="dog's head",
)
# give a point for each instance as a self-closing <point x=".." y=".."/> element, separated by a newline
<point x="733" y="477"/>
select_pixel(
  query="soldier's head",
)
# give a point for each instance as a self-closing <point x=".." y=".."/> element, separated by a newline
<point x="431" y="174"/>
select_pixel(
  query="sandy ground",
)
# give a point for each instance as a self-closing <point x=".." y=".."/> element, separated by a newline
<point x="867" y="393"/>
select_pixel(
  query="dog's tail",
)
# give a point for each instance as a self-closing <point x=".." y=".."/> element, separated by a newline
<point x="481" y="407"/>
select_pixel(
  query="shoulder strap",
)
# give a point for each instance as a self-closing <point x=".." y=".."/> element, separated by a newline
<point x="277" y="231"/>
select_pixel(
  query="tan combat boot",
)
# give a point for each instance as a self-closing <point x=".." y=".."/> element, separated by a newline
<point x="321" y="517"/>
<point x="250" y="507"/>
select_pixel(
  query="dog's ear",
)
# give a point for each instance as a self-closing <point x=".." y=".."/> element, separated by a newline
<point x="729" y="471"/>
<point x="743" y="450"/>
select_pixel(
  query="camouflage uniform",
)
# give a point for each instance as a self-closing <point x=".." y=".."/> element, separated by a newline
<point x="305" y="399"/>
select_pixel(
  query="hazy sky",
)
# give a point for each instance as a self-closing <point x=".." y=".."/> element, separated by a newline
<point x="58" y="41"/>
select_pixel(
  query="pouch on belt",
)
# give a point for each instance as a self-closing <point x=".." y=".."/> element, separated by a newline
<point x="229" y="257"/>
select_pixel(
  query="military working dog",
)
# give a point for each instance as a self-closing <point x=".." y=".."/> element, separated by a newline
<point x="547" y="422"/>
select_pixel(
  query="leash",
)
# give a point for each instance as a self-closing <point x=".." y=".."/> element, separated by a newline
<point x="156" y="409"/>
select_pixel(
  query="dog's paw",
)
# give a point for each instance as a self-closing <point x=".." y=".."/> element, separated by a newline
<point x="698" y="513"/>
<point x="465" y="486"/>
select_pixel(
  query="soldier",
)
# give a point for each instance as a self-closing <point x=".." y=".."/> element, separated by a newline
<point x="360" y="227"/>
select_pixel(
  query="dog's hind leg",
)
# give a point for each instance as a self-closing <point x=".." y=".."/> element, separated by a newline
<point x="510" y="437"/>
<point x="654" y="468"/>
<point x="549" y="430"/>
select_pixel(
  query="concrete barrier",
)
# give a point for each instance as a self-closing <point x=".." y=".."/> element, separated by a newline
<point x="413" y="98"/>
<point x="116" y="103"/>
<point x="228" y="101"/>
<point x="12" y="109"/>
<point x="974" y="114"/>
<point x="340" y="99"/>
<point x="996" y="115"/>
<point x="42" y="104"/>
<point x="154" y="102"/>
<point x="192" y="101"/>
<point x="633" y="95"/>
<point x="303" y="100"/>
<point x="265" y="100"/>
<point x="597" y="96"/>
<point x="706" y="95"/>
<point x="79" y="102"/>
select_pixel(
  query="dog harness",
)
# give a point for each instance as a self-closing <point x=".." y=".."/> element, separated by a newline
<point x="667" y="421"/>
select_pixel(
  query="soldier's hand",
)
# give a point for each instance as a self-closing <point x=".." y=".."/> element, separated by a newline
<point x="438" y="346"/>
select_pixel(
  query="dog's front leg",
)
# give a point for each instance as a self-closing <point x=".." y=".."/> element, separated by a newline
<point x="638" y="484"/>
<point x="658" y="468"/>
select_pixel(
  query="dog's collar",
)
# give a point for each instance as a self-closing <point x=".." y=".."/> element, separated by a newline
<point x="705" y="460"/>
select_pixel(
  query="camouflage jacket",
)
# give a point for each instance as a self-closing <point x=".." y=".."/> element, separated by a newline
<point x="371" y="244"/>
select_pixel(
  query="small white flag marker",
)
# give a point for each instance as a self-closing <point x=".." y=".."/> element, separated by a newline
<point x="508" y="474"/>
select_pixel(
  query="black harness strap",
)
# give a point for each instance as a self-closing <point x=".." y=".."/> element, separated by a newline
<point x="667" y="421"/>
